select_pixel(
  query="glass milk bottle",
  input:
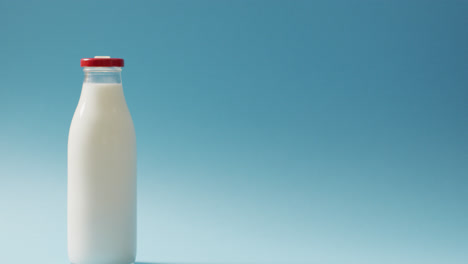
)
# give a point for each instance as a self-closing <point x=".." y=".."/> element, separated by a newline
<point x="102" y="169"/>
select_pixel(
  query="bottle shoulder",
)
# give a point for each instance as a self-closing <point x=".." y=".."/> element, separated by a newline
<point x="90" y="119"/>
<point x="102" y="109"/>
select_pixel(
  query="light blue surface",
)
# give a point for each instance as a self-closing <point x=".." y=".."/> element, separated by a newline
<point x="268" y="131"/>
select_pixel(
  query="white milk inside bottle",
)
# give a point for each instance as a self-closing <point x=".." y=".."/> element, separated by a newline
<point x="102" y="170"/>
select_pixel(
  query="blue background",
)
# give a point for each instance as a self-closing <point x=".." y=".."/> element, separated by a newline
<point x="268" y="131"/>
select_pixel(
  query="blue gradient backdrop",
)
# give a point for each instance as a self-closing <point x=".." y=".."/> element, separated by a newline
<point x="268" y="131"/>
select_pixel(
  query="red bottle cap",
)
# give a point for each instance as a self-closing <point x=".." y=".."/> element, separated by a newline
<point x="102" y="61"/>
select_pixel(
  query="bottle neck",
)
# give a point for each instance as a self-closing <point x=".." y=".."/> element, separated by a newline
<point x="103" y="75"/>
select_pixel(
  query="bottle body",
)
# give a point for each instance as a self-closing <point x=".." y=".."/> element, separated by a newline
<point x="102" y="176"/>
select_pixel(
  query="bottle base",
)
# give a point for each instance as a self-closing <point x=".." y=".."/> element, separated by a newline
<point x="103" y="263"/>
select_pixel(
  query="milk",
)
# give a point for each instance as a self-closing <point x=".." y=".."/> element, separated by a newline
<point x="102" y="177"/>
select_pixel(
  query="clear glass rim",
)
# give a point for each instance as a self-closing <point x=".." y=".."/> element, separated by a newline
<point x="102" y="69"/>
